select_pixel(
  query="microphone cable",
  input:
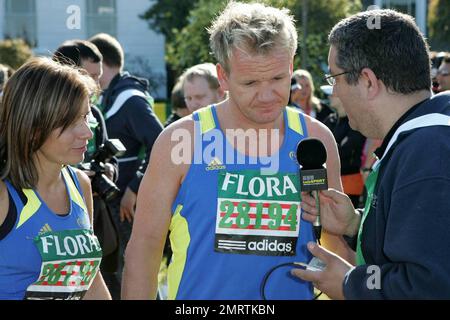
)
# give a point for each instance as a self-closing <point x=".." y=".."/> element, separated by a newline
<point x="292" y="264"/>
<point x="311" y="156"/>
<point x="267" y="275"/>
<point x="317" y="226"/>
<point x="317" y="233"/>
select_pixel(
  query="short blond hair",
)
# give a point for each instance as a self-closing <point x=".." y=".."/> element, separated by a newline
<point x="252" y="27"/>
<point x="40" y="97"/>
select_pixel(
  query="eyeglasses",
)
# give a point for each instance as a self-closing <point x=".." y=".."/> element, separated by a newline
<point x="331" y="77"/>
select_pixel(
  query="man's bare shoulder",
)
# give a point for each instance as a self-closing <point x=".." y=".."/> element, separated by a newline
<point x="317" y="129"/>
<point x="183" y="125"/>
<point x="166" y="150"/>
<point x="185" y="122"/>
<point x="180" y="129"/>
<point x="82" y="178"/>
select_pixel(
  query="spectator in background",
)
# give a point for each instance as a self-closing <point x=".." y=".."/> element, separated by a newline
<point x="350" y="147"/>
<point x="179" y="108"/>
<point x="443" y="74"/>
<point x="295" y="91"/>
<point x="304" y="97"/>
<point x="436" y="60"/>
<point x="10" y="70"/>
<point x="201" y="86"/>
<point x="82" y="54"/>
<point x="3" y="78"/>
<point x="129" y="117"/>
<point x="85" y="55"/>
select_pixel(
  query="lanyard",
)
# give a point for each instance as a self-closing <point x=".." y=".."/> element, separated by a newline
<point x="370" y="186"/>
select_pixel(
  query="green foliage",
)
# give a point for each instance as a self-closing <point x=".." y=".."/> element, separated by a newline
<point x="187" y="41"/>
<point x="322" y="16"/>
<point x="167" y="16"/>
<point x="191" y="44"/>
<point x="14" y="52"/>
<point x="439" y="25"/>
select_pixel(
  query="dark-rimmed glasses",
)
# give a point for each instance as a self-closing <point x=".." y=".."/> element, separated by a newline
<point x="331" y="77"/>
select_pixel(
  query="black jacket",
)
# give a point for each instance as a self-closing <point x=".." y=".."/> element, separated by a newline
<point x="406" y="233"/>
<point x="350" y="143"/>
<point x="135" y="125"/>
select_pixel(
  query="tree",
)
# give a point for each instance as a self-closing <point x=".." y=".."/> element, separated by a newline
<point x="322" y="16"/>
<point x="439" y="25"/>
<point x="168" y="17"/>
<point x="165" y="16"/>
<point x="188" y="42"/>
<point x="191" y="43"/>
<point x="14" y="52"/>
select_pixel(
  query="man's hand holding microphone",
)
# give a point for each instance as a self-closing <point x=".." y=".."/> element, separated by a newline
<point x="337" y="214"/>
<point x="334" y="211"/>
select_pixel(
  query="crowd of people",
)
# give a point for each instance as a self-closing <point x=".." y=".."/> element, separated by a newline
<point x="103" y="201"/>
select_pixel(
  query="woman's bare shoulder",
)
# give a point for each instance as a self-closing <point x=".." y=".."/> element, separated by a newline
<point x="4" y="202"/>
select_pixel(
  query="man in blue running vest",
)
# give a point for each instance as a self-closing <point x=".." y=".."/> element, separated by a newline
<point x="225" y="180"/>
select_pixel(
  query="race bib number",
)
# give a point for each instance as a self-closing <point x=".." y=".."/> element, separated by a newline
<point x="70" y="262"/>
<point x="257" y="214"/>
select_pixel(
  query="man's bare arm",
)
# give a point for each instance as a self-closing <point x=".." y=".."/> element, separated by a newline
<point x="156" y="194"/>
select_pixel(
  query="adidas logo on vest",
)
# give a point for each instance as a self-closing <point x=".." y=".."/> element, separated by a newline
<point x="215" y="164"/>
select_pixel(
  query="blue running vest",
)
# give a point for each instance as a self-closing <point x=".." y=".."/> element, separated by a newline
<point x="46" y="256"/>
<point x="232" y="221"/>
